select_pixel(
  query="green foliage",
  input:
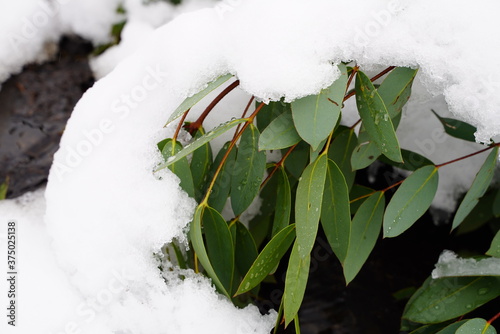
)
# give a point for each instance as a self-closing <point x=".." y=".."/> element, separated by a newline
<point x="314" y="183"/>
<point x="3" y="189"/>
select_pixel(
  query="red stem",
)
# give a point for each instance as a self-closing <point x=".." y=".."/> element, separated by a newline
<point x="468" y="155"/>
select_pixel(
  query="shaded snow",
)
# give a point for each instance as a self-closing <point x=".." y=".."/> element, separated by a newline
<point x="450" y="265"/>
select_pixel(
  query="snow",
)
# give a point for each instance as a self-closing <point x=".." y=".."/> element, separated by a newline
<point x="108" y="216"/>
<point x="450" y="265"/>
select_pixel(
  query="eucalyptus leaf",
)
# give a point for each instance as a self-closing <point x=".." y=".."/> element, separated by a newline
<point x="341" y="150"/>
<point x="364" y="155"/>
<point x="279" y="134"/>
<point x="196" y="236"/>
<point x="450" y="297"/>
<point x="3" y="189"/>
<point x="191" y="101"/>
<point x="268" y="259"/>
<point x="180" y="168"/>
<point x="451" y="328"/>
<point x="220" y="246"/>
<point x="411" y="201"/>
<point x="222" y="186"/>
<point x="495" y="246"/>
<point x="315" y="116"/>
<point x="496" y="204"/>
<point x="477" y="189"/>
<point x="295" y="283"/>
<point x="457" y="129"/>
<point x="269" y="112"/>
<point x="308" y="203"/>
<point x="476" y="326"/>
<point x="335" y="211"/>
<point x="376" y="118"/>
<point x="283" y="203"/>
<point x="365" y="229"/>
<point x="200" y="165"/>
<point x="298" y="160"/>
<point x="358" y="195"/>
<point x="412" y="161"/>
<point x="248" y="171"/>
<point x="245" y="248"/>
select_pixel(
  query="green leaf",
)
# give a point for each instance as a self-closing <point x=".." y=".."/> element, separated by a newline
<point x="365" y="229"/>
<point x="451" y="328"/>
<point x="358" y="195"/>
<point x="3" y="189"/>
<point x="280" y="133"/>
<point x="268" y="259"/>
<point x="395" y="91"/>
<point x="315" y="116"/>
<point x="295" y="283"/>
<point x="220" y="191"/>
<point x="201" y="141"/>
<point x="308" y="203"/>
<point x="180" y="168"/>
<point x="376" y="118"/>
<point x="476" y="326"/>
<point x="480" y="215"/>
<point x="245" y="248"/>
<point x="495" y="246"/>
<point x="496" y="204"/>
<point x="298" y="159"/>
<point x="200" y="165"/>
<point x="364" y="155"/>
<point x="341" y="150"/>
<point x="269" y="112"/>
<point x="447" y="298"/>
<point x="411" y="201"/>
<point x="335" y="211"/>
<point x="477" y="189"/>
<point x="412" y="161"/>
<point x="313" y="154"/>
<point x="191" y="101"/>
<point x="220" y="246"/>
<point x="283" y="203"/>
<point x="248" y="172"/>
<point x="429" y="329"/>
<point x="457" y="129"/>
<point x="203" y="214"/>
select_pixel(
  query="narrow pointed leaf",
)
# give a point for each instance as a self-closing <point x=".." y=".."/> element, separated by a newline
<point x="496" y="204"/>
<point x="295" y="283"/>
<point x="283" y="203"/>
<point x="308" y="203"/>
<point x="191" y="101"/>
<point x="335" y="211"/>
<point x="395" y="91"/>
<point x="451" y="328"/>
<point x="477" y="189"/>
<point x="457" y="129"/>
<point x="220" y="246"/>
<point x="447" y="298"/>
<point x="180" y="168"/>
<point x="245" y="248"/>
<point x="281" y="133"/>
<point x="298" y="159"/>
<point x="365" y="229"/>
<point x="476" y="326"/>
<point x="495" y="246"/>
<point x="248" y="172"/>
<point x="358" y="195"/>
<point x="411" y="201"/>
<point x="315" y="116"/>
<point x="313" y="154"/>
<point x="196" y="236"/>
<point x="201" y="141"/>
<point x="429" y="329"/>
<point x="222" y="186"/>
<point x="341" y="150"/>
<point x="200" y="166"/>
<point x="268" y="259"/>
<point x="376" y="118"/>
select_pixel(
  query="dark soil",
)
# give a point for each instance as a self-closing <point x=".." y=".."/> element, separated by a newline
<point x="34" y="108"/>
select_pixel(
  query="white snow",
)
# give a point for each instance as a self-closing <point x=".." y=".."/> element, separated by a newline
<point x="107" y="214"/>
<point x="450" y="265"/>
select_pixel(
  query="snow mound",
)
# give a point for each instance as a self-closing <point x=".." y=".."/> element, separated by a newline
<point x="449" y="265"/>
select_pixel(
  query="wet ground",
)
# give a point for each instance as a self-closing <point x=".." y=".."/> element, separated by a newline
<point x="34" y="108"/>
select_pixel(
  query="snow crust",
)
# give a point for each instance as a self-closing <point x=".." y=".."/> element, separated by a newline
<point x="449" y="265"/>
<point x="108" y="215"/>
